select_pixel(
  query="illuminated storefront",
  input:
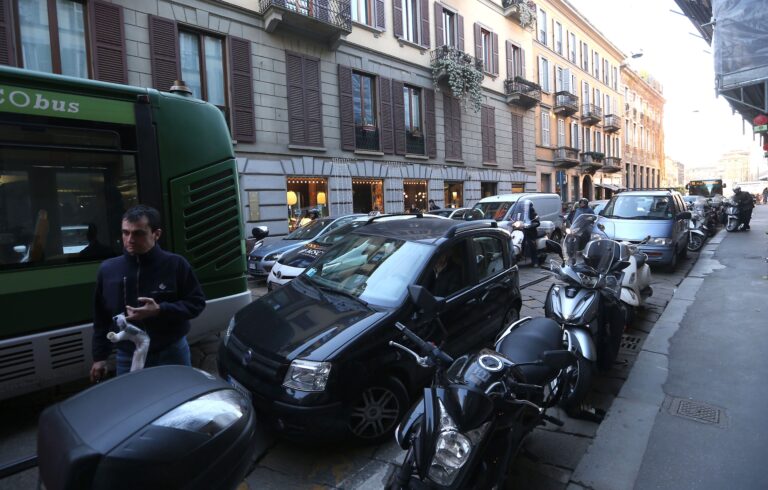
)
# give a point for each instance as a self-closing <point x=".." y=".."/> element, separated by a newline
<point x="453" y="194"/>
<point x="367" y="195"/>
<point x="414" y="195"/>
<point x="306" y="194"/>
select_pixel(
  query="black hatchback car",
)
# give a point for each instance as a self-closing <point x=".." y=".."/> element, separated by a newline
<point x="314" y="354"/>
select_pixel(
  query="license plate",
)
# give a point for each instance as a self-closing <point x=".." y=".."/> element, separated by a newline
<point x="239" y="388"/>
<point x="252" y="267"/>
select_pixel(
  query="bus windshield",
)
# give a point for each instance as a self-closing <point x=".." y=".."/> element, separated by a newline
<point x="706" y="188"/>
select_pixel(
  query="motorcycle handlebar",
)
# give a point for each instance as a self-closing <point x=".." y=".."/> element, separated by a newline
<point x="429" y="349"/>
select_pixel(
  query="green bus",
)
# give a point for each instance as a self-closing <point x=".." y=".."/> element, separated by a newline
<point x="74" y="155"/>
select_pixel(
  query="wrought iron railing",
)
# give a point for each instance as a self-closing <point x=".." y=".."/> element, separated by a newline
<point x="613" y="162"/>
<point x="367" y="138"/>
<point x="519" y="85"/>
<point x="334" y="12"/>
<point x="612" y="122"/>
<point x="591" y="110"/>
<point x="567" y="100"/>
<point x="564" y="153"/>
<point x="414" y="143"/>
<point x="449" y="53"/>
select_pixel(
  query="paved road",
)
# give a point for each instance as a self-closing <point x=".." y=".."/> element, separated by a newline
<point x="554" y="452"/>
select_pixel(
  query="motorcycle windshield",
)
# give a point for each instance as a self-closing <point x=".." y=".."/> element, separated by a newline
<point x="577" y="237"/>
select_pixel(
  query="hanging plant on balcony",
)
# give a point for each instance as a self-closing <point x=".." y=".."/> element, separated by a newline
<point x="526" y="11"/>
<point x="464" y="79"/>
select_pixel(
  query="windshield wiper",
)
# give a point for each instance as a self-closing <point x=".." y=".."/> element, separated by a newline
<point x="340" y="292"/>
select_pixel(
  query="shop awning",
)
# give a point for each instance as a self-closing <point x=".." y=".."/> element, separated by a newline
<point x="610" y="187"/>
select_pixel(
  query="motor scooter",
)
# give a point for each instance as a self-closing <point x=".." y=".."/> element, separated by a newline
<point x="545" y="230"/>
<point x="697" y="232"/>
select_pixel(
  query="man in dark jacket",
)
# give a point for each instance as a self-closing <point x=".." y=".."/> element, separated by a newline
<point x="156" y="290"/>
<point x="582" y="207"/>
<point x="746" y="203"/>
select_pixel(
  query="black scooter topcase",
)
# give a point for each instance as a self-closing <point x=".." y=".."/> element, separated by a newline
<point x="162" y="427"/>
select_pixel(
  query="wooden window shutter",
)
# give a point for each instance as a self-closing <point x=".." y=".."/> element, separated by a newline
<point x="305" y="108"/>
<point x="241" y="76"/>
<point x="491" y="125"/>
<point x="108" y="43"/>
<point x="456" y="127"/>
<point x="518" y="159"/>
<point x="398" y="116"/>
<point x="346" y="109"/>
<point x="164" y="52"/>
<point x="495" y="53"/>
<point x="460" y="31"/>
<point x="314" y="102"/>
<point x="510" y="60"/>
<point x="380" y="18"/>
<point x="424" y="34"/>
<point x="430" y="122"/>
<point x="439" y="41"/>
<point x="7" y="36"/>
<point x="479" y="45"/>
<point x="397" y="18"/>
<point x="484" y="131"/>
<point x="448" y="125"/>
<point x="385" y="116"/>
<point x="522" y="63"/>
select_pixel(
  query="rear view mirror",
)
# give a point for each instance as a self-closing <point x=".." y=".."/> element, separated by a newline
<point x="558" y="359"/>
<point x="554" y="248"/>
<point x="424" y="300"/>
<point x="260" y="232"/>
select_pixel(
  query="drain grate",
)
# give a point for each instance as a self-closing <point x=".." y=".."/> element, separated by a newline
<point x="697" y="411"/>
<point x="630" y="344"/>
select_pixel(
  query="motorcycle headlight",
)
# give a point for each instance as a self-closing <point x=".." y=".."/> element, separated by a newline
<point x="228" y="331"/>
<point x="660" y="241"/>
<point x="306" y="375"/>
<point x="452" y="449"/>
<point x="208" y="414"/>
<point x="587" y="281"/>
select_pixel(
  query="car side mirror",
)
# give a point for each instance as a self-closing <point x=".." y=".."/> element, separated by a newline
<point x="684" y="215"/>
<point x="260" y="232"/>
<point x="558" y="359"/>
<point x="425" y="301"/>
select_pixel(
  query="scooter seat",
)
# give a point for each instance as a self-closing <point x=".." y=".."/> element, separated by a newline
<point x="528" y="342"/>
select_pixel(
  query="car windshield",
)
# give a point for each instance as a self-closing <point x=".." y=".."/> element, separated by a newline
<point x="308" y="231"/>
<point x="639" y="207"/>
<point x="494" y="210"/>
<point x="374" y="269"/>
<point x="442" y="212"/>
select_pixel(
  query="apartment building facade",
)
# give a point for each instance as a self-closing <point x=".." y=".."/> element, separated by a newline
<point x="643" y="130"/>
<point x="332" y="104"/>
<point x="578" y="123"/>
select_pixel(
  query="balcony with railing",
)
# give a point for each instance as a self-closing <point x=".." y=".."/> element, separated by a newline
<point x="367" y="138"/>
<point x="327" y="20"/>
<point x="591" y="114"/>
<point x="611" y="165"/>
<point x="414" y="143"/>
<point x="566" y="103"/>
<point x="445" y="57"/>
<point x="612" y="123"/>
<point x="566" y="157"/>
<point x="522" y="92"/>
<point x="523" y="11"/>
<point x="590" y="161"/>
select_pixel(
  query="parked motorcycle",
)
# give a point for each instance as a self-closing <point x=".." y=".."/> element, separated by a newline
<point x="734" y="217"/>
<point x="545" y="230"/>
<point x="697" y="232"/>
<point x="470" y="423"/>
<point x="587" y="301"/>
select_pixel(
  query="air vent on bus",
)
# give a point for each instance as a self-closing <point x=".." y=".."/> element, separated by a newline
<point x="66" y="350"/>
<point x="16" y="361"/>
<point x="211" y="220"/>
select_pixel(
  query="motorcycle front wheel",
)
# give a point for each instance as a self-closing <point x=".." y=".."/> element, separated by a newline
<point x="732" y="225"/>
<point x="578" y="381"/>
<point x="695" y="242"/>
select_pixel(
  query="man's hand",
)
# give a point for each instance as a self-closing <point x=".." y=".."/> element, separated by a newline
<point x="149" y="309"/>
<point x="98" y="371"/>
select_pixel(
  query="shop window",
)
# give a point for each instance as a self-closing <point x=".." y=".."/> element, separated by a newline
<point x="415" y="196"/>
<point x="306" y="194"/>
<point x="367" y="195"/>
<point x="518" y="187"/>
<point x="453" y="194"/>
<point x="487" y="189"/>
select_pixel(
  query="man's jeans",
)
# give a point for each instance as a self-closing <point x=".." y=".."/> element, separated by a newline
<point x="176" y="353"/>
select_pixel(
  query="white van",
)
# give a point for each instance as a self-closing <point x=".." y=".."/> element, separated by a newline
<point x="504" y="208"/>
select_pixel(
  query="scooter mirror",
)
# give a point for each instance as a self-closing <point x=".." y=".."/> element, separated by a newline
<point x="260" y="232"/>
<point x="558" y="359"/>
<point x="554" y="248"/>
<point x="424" y="300"/>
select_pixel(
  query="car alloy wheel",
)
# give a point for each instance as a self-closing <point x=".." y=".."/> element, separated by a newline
<point x="377" y="410"/>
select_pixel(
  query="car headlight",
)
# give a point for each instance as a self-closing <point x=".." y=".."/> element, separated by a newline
<point x="272" y="257"/>
<point x="660" y="241"/>
<point x="306" y="375"/>
<point x="208" y="414"/>
<point x="453" y="448"/>
<point x="228" y="331"/>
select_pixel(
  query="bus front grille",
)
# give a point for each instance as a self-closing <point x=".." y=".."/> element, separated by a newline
<point x="16" y="361"/>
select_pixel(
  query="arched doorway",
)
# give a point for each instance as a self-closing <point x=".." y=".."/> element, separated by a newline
<point x="586" y="187"/>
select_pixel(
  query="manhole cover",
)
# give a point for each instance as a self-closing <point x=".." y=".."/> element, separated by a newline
<point x="698" y="411"/>
<point x="630" y="344"/>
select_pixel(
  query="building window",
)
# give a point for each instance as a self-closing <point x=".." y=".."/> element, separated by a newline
<point x="487" y="189"/>
<point x="415" y="196"/>
<point x="362" y="12"/>
<point x="560" y="132"/>
<point x="615" y="78"/>
<point x="598" y="98"/>
<point x="364" y="108"/>
<point x="541" y="22"/>
<point x="414" y="135"/>
<point x="367" y="195"/>
<point x="575" y="136"/>
<point x="558" y="38"/>
<point x="546" y="183"/>
<point x="487" y="44"/>
<point x="305" y="194"/>
<point x="545" y="134"/>
<point x="449" y="28"/>
<point x="572" y="47"/>
<point x="598" y="141"/>
<point x="45" y="25"/>
<point x="544" y="74"/>
<point x="453" y="194"/>
<point x="202" y="66"/>
<point x="585" y="57"/>
<point x="516" y="54"/>
<point x="606" y="72"/>
<point x="596" y="64"/>
<point x="558" y="79"/>
<point x="411" y="20"/>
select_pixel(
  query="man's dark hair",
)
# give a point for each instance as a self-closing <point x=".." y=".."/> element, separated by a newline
<point x="135" y="214"/>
